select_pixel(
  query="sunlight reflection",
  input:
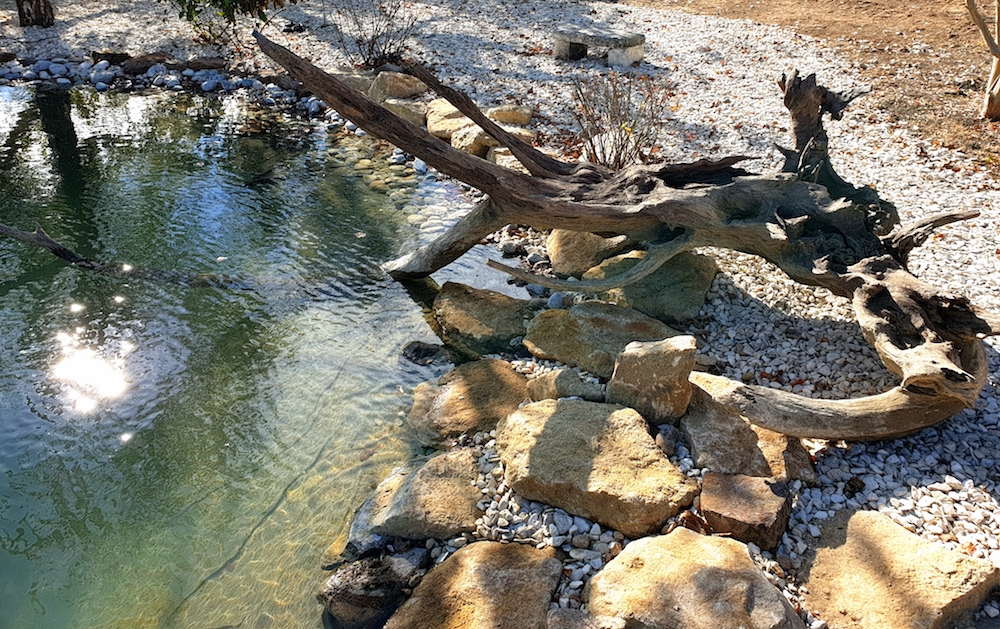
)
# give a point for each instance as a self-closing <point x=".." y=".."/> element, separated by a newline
<point x="91" y="377"/>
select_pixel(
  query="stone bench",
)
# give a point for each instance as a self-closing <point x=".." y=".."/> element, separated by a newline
<point x="624" y="49"/>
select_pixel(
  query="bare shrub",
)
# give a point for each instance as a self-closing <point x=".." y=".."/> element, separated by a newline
<point x="619" y="117"/>
<point x="374" y="33"/>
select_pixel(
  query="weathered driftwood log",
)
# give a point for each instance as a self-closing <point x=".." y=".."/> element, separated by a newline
<point x="807" y="220"/>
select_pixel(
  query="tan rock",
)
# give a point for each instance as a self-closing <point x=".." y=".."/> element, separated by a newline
<point x="563" y="383"/>
<point x="435" y="500"/>
<point x="786" y="456"/>
<point x="675" y="292"/>
<point x="593" y="460"/>
<point x="469" y="399"/>
<point x="475" y="321"/>
<point x="395" y="85"/>
<point x="580" y="619"/>
<point x="485" y="585"/>
<point x="720" y="439"/>
<point x="652" y="378"/>
<point x="749" y="508"/>
<point x="574" y="253"/>
<point x="443" y="119"/>
<point x="472" y="140"/>
<point x="690" y="581"/>
<point x="355" y="79"/>
<point x="501" y="156"/>
<point x="870" y="572"/>
<point x="591" y="335"/>
<point x="511" y="114"/>
<point x="409" y="110"/>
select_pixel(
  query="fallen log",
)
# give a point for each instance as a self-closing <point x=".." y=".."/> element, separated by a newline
<point x="807" y="220"/>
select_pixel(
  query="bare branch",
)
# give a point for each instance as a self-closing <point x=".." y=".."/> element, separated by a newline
<point x="988" y="37"/>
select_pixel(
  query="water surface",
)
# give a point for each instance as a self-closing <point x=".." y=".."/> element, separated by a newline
<point x="179" y="454"/>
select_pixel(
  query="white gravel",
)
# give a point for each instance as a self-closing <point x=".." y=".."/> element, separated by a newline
<point x="758" y="325"/>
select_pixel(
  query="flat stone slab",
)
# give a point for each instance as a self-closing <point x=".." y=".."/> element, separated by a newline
<point x="596" y="35"/>
<point x="750" y="509"/>
<point x="593" y="460"/>
<point x="684" y="580"/>
<point x="591" y="335"/>
<point x="466" y="400"/>
<point x="486" y="585"/>
<point x="870" y="572"/>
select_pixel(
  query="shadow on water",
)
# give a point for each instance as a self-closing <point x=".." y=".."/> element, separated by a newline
<point x="180" y="456"/>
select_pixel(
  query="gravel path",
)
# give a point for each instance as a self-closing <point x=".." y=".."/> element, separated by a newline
<point x="761" y="327"/>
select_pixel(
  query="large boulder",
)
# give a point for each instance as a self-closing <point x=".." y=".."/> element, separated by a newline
<point x="674" y="293"/>
<point x="473" y="140"/>
<point x="359" y="80"/>
<point x="593" y="460"/>
<point x="690" y="581"/>
<point x="652" y="378"/>
<point x="574" y="253"/>
<point x="437" y="499"/>
<point x="591" y="335"/>
<point x="363" y="594"/>
<point x="749" y="508"/>
<point x="870" y="572"/>
<point x="511" y="114"/>
<point x="395" y="85"/>
<point x="485" y="585"/>
<point x="409" y="110"/>
<point x="469" y="399"/>
<point x="564" y="383"/>
<point x="720" y="438"/>
<point x="476" y="321"/>
<point x="444" y="119"/>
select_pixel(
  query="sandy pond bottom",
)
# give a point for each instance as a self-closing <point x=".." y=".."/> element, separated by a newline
<point x="178" y="454"/>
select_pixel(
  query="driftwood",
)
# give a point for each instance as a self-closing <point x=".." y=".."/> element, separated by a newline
<point x="807" y="220"/>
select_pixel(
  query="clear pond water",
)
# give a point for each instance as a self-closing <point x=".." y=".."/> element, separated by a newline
<point x="177" y="454"/>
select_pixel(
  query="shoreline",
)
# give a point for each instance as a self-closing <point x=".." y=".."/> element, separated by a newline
<point x="757" y="322"/>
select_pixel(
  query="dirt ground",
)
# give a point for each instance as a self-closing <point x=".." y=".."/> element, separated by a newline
<point x="925" y="59"/>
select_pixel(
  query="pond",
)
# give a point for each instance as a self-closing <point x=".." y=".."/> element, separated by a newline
<point x="179" y="453"/>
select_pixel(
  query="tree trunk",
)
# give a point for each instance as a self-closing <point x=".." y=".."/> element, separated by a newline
<point x="35" y="13"/>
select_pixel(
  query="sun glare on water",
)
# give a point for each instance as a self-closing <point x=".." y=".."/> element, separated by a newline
<point x="90" y="378"/>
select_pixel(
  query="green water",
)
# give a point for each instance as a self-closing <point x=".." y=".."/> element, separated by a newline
<point x="180" y="456"/>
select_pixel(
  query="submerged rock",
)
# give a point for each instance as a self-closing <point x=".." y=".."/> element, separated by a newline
<point x="689" y="580"/>
<point x="469" y="399"/>
<point x="477" y="321"/>
<point x="591" y="335"/>
<point x="870" y="572"/>
<point x="363" y="594"/>
<point x="486" y="585"/>
<point x="593" y="460"/>
<point x="432" y="500"/>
